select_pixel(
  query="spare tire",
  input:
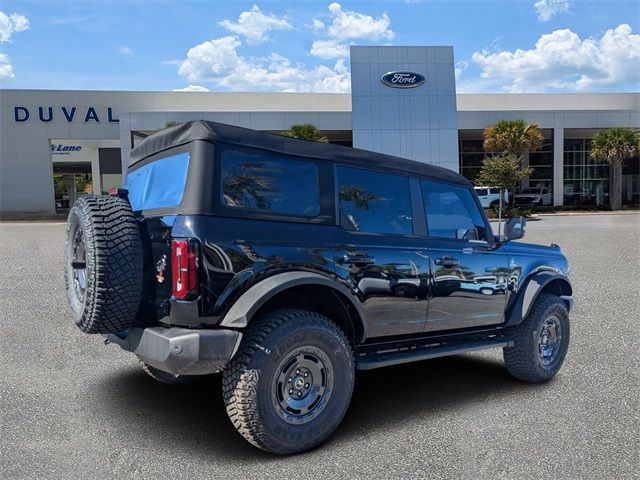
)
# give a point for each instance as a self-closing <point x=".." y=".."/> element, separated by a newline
<point x="103" y="264"/>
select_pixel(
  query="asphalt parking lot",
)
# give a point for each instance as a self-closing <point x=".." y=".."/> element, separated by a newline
<point x="75" y="408"/>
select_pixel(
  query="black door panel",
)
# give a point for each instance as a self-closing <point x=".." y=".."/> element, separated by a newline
<point x="469" y="285"/>
<point x="470" y="274"/>
<point x="390" y="277"/>
<point x="376" y="254"/>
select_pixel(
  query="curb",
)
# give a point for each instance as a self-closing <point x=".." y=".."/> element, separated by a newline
<point x="570" y="214"/>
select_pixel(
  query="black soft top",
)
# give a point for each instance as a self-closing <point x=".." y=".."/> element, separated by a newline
<point x="220" y="132"/>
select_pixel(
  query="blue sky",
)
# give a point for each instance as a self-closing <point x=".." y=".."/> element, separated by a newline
<point x="499" y="46"/>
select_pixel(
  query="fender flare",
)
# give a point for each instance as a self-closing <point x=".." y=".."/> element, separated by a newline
<point x="257" y="295"/>
<point x="532" y="287"/>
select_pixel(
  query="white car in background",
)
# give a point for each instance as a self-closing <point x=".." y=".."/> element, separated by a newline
<point x="490" y="196"/>
<point x="533" y="196"/>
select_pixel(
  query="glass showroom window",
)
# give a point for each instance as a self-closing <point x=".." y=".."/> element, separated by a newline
<point x="586" y="181"/>
<point x="471" y="156"/>
<point x="542" y="163"/>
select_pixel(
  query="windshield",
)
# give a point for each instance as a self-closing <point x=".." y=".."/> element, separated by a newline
<point x="535" y="191"/>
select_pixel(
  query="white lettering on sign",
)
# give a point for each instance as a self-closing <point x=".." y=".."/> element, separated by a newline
<point x="403" y="78"/>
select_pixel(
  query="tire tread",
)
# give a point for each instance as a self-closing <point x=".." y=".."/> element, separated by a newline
<point x="114" y="263"/>
<point x="240" y="381"/>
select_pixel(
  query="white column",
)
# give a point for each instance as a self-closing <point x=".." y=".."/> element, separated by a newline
<point x="558" y="166"/>
<point x="95" y="174"/>
<point x="125" y="143"/>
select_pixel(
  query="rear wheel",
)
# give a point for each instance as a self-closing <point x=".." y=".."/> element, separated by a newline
<point x="290" y="383"/>
<point x="541" y="341"/>
<point x="103" y="264"/>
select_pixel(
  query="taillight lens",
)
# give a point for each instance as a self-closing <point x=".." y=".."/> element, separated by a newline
<point x="185" y="268"/>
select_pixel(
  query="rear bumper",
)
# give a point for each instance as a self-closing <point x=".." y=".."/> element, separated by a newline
<point x="181" y="351"/>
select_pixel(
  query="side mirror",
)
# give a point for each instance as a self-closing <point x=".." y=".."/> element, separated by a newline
<point x="515" y="228"/>
<point x="466" y="234"/>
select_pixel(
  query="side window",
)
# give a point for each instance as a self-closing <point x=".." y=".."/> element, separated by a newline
<point x="269" y="183"/>
<point x="452" y="212"/>
<point x="374" y="202"/>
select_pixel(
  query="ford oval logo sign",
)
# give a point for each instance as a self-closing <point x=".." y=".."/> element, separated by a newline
<point x="402" y="79"/>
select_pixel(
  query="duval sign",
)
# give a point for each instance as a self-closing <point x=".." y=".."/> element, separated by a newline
<point x="401" y="79"/>
<point x="69" y="114"/>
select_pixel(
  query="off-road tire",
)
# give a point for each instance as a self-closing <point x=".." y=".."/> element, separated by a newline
<point x="248" y="381"/>
<point x="169" y="378"/>
<point x="113" y="267"/>
<point x="523" y="360"/>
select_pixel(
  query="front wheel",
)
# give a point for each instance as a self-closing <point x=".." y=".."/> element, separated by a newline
<point x="290" y="383"/>
<point x="541" y="341"/>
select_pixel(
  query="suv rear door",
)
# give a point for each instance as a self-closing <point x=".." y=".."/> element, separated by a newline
<point x="376" y="252"/>
<point x="469" y="274"/>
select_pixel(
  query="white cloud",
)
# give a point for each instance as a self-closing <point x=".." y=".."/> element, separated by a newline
<point x="317" y="25"/>
<point x="351" y="25"/>
<point x="460" y="67"/>
<point x="6" y="70"/>
<point x="547" y="9"/>
<point x="412" y="2"/>
<point x="211" y="59"/>
<point x="218" y="61"/>
<point x="345" y="25"/>
<point x="10" y="24"/>
<point x="126" y="51"/>
<point x="192" y="88"/>
<point x="562" y="61"/>
<point x="254" y="25"/>
<point x="329" y="49"/>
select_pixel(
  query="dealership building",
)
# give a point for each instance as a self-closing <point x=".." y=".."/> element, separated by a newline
<point x="58" y="144"/>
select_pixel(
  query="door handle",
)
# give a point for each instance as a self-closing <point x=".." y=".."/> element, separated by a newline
<point x="359" y="260"/>
<point x="447" y="262"/>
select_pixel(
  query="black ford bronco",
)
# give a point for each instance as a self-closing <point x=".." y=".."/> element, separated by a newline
<point x="287" y="265"/>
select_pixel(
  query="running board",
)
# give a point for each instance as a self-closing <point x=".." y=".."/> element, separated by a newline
<point x="386" y="359"/>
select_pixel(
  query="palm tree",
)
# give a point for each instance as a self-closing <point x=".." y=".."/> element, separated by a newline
<point x="171" y="123"/>
<point x="358" y="195"/>
<point x="615" y="145"/>
<point x="305" y="131"/>
<point x="249" y="186"/>
<point x="514" y="139"/>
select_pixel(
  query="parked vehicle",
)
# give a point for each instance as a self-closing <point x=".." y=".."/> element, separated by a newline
<point x="490" y="196"/>
<point x="533" y="196"/>
<point x="287" y="265"/>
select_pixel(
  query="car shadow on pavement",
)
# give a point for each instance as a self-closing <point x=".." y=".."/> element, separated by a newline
<point x="192" y="417"/>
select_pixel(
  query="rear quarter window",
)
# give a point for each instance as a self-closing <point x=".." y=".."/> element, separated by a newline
<point x="159" y="184"/>
<point x="269" y="183"/>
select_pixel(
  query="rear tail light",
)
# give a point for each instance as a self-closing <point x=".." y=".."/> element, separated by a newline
<point x="185" y="268"/>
